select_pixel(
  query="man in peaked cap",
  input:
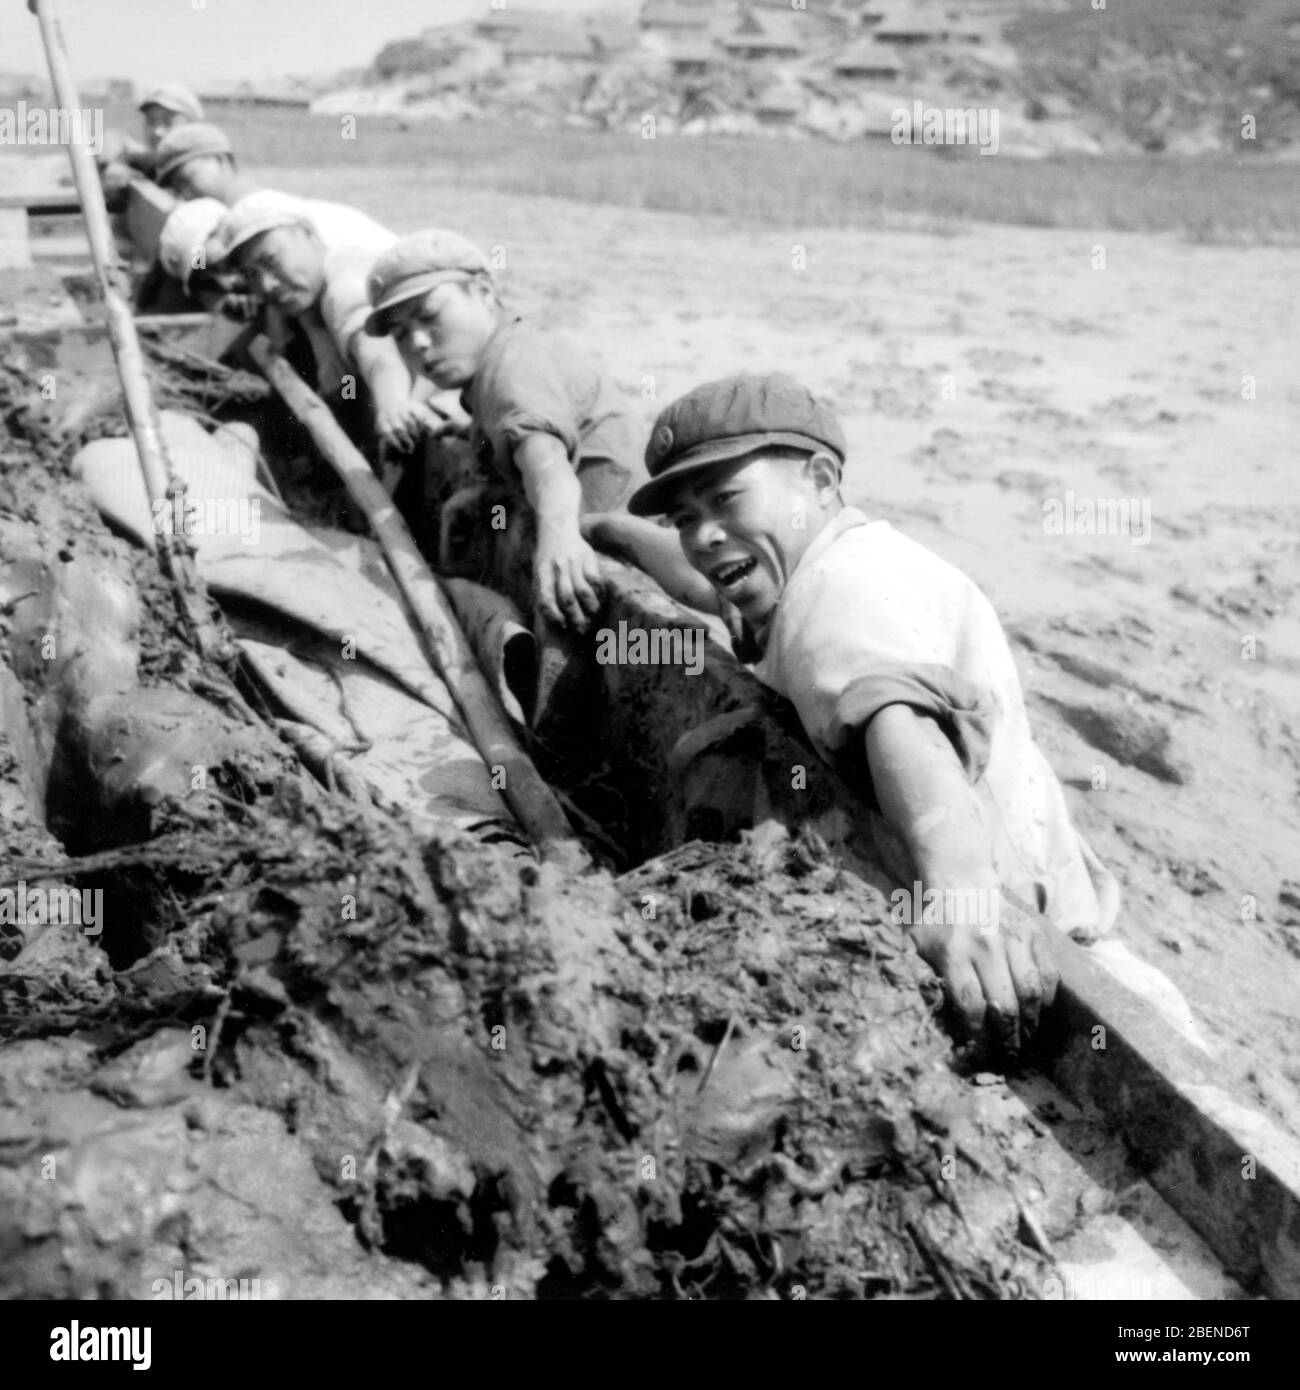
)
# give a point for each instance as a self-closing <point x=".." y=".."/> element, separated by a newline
<point x="194" y="159"/>
<point x="183" y="244"/>
<point x="181" y="279"/>
<point x="547" y="422"/>
<point x="309" y="260"/>
<point x="162" y="107"/>
<point x="899" y="670"/>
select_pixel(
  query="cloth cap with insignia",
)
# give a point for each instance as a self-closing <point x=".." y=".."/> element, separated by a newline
<point x="189" y="229"/>
<point x="172" y="96"/>
<point x="254" y="214"/>
<point x="414" y="265"/>
<point x="189" y="141"/>
<point x="725" y="420"/>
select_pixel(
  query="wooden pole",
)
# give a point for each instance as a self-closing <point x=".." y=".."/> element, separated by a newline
<point x="174" y="553"/>
<point x="535" y="804"/>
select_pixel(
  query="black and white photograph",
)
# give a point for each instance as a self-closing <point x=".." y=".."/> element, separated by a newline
<point x="649" y="651"/>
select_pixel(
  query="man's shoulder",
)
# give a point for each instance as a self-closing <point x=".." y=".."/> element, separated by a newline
<point x="346" y="228"/>
<point x="521" y="353"/>
<point x="348" y="266"/>
<point x="868" y="577"/>
<point x="873" y="547"/>
<point x="522" y="340"/>
<point x="344" y="301"/>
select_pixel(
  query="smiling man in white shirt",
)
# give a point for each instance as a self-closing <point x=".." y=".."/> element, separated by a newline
<point x="898" y="668"/>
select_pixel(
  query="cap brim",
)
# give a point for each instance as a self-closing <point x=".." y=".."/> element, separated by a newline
<point x="164" y="172"/>
<point x="654" y="498"/>
<point x="413" y="287"/>
<point x="166" y="104"/>
<point x="225" y="249"/>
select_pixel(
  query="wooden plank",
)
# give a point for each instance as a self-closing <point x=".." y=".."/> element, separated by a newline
<point x="1231" y="1173"/>
<point x="45" y="223"/>
<point x="42" y="202"/>
<point x="85" y="347"/>
<point x="1227" y="1170"/>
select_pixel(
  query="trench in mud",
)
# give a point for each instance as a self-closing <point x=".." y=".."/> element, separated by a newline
<point x="351" y="1060"/>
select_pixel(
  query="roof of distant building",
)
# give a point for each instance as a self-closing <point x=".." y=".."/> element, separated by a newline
<point x="767" y="29"/>
<point x="906" y="19"/>
<point x="865" y="55"/>
<point x="506" y="21"/>
<point x="612" y="35"/>
<point x="549" y="43"/>
<point x="694" y="50"/>
<point x="666" y="14"/>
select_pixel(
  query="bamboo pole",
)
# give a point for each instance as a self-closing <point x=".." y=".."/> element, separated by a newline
<point x="535" y="804"/>
<point x="174" y="552"/>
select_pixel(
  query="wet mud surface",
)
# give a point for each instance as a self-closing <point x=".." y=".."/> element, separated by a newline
<point x="311" y="1048"/>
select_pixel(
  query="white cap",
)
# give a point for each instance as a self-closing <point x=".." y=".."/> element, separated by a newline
<point x="186" y="232"/>
<point x="172" y="96"/>
<point x="257" y="213"/>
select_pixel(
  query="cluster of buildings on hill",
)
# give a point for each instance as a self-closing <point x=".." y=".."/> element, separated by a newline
<point x="697" y="36"/>
<point x="834" y="68"/>
<point x="856" y="40"/>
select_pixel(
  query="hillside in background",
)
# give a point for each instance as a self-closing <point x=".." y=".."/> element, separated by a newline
<point x="1179" y="76"/>
<point x="1174" y="74"/>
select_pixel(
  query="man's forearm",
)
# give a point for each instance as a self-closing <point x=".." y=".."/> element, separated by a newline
<point x="386" y="376"/>
<point x="997" y="974"/>
<point x="924" y="796"/>
<point x="550" y="484"/>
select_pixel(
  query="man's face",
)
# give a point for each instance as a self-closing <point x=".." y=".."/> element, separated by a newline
<point x="158" y="120"/>
<point x="285" y="266"/>
<point x="746" y="525"/>
<point x="443" y="333"/>
<point x="204" y="176"/>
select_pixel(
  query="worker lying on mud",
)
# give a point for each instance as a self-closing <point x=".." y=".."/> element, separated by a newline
<point x="547" y="422"/>
<point x="124" y="157"/>
<point x="195" y="160"/>
<point x="308" y="260"/>
<point x="898" y="668"/>
<point x="180" y="280"/>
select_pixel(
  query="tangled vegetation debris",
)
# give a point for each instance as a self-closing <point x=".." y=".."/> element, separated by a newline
<point x="310" y="1048"/>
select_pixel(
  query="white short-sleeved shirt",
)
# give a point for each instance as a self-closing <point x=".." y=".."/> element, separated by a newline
<point x="353" y="242"/>
<point x="337" y="224"/>
<point x="870" y="618"/>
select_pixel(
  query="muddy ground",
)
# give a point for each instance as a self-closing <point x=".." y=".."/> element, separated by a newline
<point x="982" y="374"/>
<point x="495" y="1082"/>
<point x="310" y="1049"/>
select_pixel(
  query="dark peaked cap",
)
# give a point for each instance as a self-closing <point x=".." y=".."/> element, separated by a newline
<point x="728" y="419"/>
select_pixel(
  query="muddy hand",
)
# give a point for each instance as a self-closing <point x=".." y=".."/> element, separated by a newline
<point x="567" y="581"/>
<point x="999" y="977"/>
<point x="400" y="426"/>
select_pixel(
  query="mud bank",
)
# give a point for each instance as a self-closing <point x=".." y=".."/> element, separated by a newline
<point x="358" y="1068"/>
<point x="316" y="1049"/>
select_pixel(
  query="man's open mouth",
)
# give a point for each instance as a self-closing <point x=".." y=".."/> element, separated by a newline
<point x="730" y="576"/>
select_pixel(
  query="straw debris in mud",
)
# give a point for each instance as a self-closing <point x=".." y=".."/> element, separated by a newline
<point x="320" y="1052"/>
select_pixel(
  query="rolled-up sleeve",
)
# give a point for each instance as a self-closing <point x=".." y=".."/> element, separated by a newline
<point x="527" y="393"/>
<point x="878" y="622"/>
<point x="962" y="710"/>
